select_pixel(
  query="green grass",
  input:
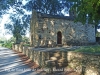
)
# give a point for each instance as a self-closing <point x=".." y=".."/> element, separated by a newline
<point x="89" y="49"/>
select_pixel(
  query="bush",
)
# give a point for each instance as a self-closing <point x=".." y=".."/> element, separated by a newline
<point x="7" y="44"/>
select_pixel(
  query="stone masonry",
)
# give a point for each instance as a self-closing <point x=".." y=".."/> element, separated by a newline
<point x="52" y="30"/>
<point x="63" y="58"/>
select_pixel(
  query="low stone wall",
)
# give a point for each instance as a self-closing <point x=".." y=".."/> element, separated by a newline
<point x="83" y="63"/>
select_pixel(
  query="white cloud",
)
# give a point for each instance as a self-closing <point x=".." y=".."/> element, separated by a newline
<point x="24" y="2"/>
<point x="98" y="30"/>
<point x="65" y="14"/>
<point x="4" y="20"/>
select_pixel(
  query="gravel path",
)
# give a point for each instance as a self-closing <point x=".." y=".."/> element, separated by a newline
<point x="11" y="64"/>
<point x="16" y="63"/>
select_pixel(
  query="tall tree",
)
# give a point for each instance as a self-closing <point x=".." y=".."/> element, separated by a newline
<point x="18" y="27"/>
<point x="19" y="22"/>
<point x="6" y="4"/>
<point x="53" y="7"/>
<point x="84" y="8"/>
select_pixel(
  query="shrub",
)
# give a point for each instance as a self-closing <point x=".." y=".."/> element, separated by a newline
<point x="7" y="44"/>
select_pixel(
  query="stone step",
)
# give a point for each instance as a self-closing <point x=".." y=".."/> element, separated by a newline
<point x="62" y="60"/>
<point x="56" y="54"/>
<point x="56" y="64"/>
<point x="53" y="58"/>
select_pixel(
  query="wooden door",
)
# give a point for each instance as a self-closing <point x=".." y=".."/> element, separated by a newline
<point x="59" y="38"/>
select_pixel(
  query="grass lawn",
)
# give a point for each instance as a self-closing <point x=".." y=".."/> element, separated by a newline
<point x="89" y="49"/>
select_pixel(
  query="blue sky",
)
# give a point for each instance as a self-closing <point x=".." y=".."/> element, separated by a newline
<point x="98" y="28"/>
<point x="5" y="19"/>
<point x="2" y="30"/>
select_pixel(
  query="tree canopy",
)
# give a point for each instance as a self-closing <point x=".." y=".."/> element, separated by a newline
<point x="53" y="7"/>
<point x="82" y="10"/>
<point x="6" y="4"/>
<point x="19" y="22"/>
<point x="19" y="17"/>
<point x="86" y="9"/>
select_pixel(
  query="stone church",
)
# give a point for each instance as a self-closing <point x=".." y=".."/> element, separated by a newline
<point x="53" y="30"/>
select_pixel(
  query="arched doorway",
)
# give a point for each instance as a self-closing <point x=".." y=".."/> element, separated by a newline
<point x="59" y="37"/>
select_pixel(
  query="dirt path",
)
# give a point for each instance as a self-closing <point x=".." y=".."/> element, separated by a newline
<point x="11" y="63"/>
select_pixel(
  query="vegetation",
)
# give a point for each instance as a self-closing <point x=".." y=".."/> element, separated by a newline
<point x="83" y="8"/>
<point x="12" y="40"/>
<point x="1" y="42"/>
<point x="44" y="6"/>
<point x="89" y="49"/>
<point x="7" y="44"/>
<point x="98" y="34"/>
<point x="5" y="4"/>
<point x="19" y="17"/>
<point x="53" y="7"/>
<point x="20" y="20"/>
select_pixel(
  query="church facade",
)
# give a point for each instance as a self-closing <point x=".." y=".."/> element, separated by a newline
<point x="52" y="30"/>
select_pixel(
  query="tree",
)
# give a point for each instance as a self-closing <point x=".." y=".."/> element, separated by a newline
<point x="25" y="39"/>
<point x="19" y="22"/>
<point x="12" y="40"/>
<point x="6" y="4"/>
<point x="53" y="7"/>
<point x="19" y="18"/>
<point x="91" y="8"/>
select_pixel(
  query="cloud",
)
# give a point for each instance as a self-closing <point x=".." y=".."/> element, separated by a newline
<point x="98" y="30"/>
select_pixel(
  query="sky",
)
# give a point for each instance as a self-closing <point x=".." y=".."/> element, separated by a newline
<point x="98" y="29"/>
<point x="2" y="30"/>
<point x="3" y="20"/>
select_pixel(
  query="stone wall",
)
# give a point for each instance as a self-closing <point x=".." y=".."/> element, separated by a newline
<point x="46" y="29"/>
<point x="83" y="63"/>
